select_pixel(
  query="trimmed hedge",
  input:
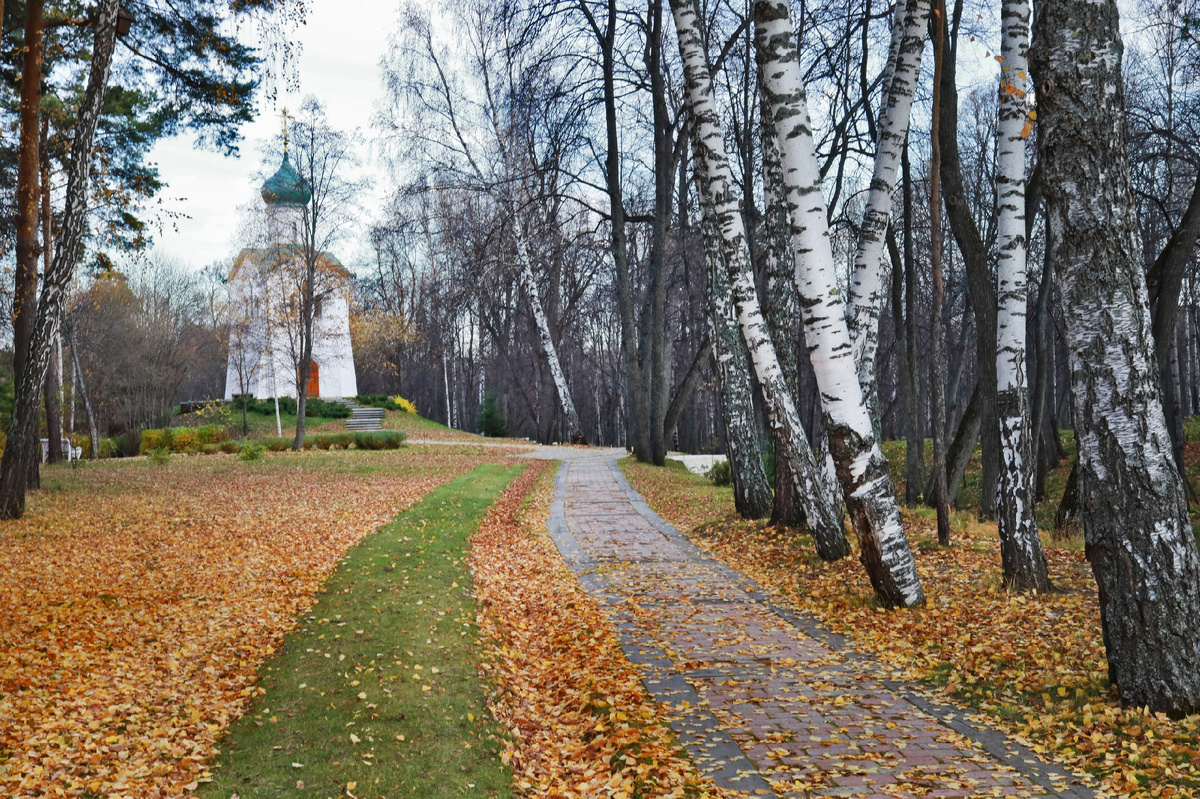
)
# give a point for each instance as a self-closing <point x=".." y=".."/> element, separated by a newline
<point x="379" y="439"/>
<point x="182" y="439"/>
<point x="212" y="439"/>
<point x="314" y="407"/>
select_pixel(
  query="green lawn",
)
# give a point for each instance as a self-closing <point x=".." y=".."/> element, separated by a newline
<point x="377" y="693"/>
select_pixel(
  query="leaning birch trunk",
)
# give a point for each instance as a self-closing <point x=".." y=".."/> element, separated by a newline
<point x="861" y="466"/>
<point x="525" y="271"/>
<point x="21" y="450"/>
<point x="720" y="196"/>
<point x="93" y="431"/>
<point x="751" y="491"/>
<point x="1135" y="515"/>
<point x="1021" y="554"/>
<point x="866" y="287"/>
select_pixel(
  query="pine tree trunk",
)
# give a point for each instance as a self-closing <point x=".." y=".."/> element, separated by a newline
<point x="861" y="468"/>
<point x="20" y="451"/>
<point x="25" y="278"/>
<point x="1024" y="563"/>
<point x="721" y="198"/>
<point x="1135" y="517"/>
<point x="751" y="491"/>
<point x="866" y="287"/>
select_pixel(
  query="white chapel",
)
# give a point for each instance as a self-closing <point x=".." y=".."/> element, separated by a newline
<point x="264" y="306"/>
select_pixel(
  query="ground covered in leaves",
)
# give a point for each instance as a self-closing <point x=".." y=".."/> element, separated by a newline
<point x="579" y="722"/>
<point x="1033" y="664"/>
<point x="138" y="601"/>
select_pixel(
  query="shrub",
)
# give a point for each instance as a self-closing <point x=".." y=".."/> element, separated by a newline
<point x="406" y="405"/>
<point x="491" y="421"/>
<point x="315" y="406"/>
<point x="720" y="474"/>
<point x="210" y="449"/>
<point x="322" y="442"/>
<point x="277" y="444"/>
<point x="372" y="400"/>
<point x="251" y="452"/>
<point x="230" y="447"/>
<point x="211" y="434"/>
<point x="379" y="439"/>
<point x="160" y="456"/>
<point x="153" y="440"/>
<point x="126" y="445"/>
<point x="181" y="439"/>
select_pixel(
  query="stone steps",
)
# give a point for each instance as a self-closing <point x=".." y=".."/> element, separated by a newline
<point x="362" y="418"/>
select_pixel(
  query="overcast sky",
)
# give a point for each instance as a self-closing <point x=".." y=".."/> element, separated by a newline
<point x="342" y="44"/>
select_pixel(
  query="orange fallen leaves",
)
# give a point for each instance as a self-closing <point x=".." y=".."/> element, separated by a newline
<point x="579" y="722"/>
<point x="137" y="603"/>
<point x="1034" y="664"/>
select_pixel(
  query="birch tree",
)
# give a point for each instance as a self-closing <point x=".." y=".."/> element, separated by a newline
<point x="720" y="196"/>
<point x="861" y="467"/>
<point x="470" y="133"/>
<point x="1024" y="563"/>
<point x="545" y="338"/>
<point x="751" y="492"/>
<point x="781" y="307"/>
<point x="866" y="291"/>
<point x="1135" y="517"/>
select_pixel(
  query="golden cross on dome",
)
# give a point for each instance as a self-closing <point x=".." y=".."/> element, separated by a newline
<point x="285" y="116"/>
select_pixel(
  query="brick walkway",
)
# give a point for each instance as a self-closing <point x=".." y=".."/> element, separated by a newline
<point x="765" y="700"/>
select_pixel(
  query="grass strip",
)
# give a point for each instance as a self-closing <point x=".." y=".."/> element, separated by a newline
<point x="376" y="694"/>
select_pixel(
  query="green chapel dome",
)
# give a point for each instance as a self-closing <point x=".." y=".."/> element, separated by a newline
<point x="286" y="189"/>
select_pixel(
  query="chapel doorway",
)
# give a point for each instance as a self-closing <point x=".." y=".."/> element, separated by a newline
<point x="314" y="379"/>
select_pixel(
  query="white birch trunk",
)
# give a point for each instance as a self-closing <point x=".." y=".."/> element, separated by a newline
<point x="866" y="289"/>
<point x="525" y="272"/>
<point x="1135" y="515"/>
<point x="721" y="197"/>
<point x="1021" y="553"/>
<point x="861" y="466"/>
<point x="751" y="492"/>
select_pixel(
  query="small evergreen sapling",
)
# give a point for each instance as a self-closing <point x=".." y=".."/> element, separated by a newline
<point x="491" y="422"/>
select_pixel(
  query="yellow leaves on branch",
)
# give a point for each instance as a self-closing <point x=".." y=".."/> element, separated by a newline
<point x="579" y="722"/>
<point x="137" y="604"/>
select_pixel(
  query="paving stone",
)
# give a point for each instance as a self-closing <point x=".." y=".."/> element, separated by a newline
<point x="761" y="696"/>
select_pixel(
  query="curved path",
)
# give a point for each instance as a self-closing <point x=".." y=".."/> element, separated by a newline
<point x="764" y="699"/>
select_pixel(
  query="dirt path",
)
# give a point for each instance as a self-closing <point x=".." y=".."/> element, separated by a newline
<point x="766" y="701"/>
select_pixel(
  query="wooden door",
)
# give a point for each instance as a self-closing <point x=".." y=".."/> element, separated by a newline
<point x="314" y="379"/>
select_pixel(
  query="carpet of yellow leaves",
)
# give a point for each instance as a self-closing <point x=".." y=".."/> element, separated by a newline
<point x="578" y="720"/>
<point x="137" y="602"/>
<point x="1034" y="664"/>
